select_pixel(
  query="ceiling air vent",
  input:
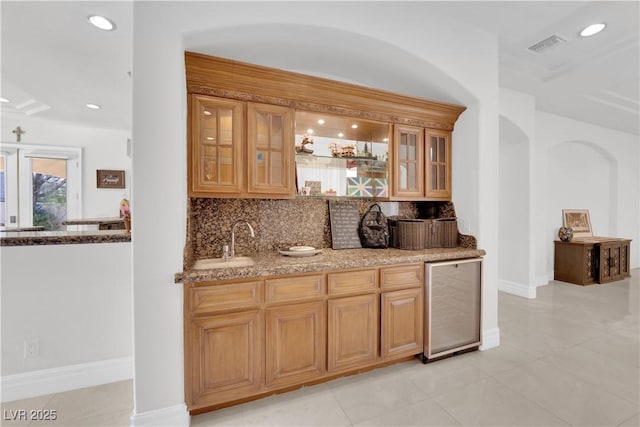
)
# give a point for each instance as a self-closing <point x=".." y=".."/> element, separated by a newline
<point x="547" y="43"/>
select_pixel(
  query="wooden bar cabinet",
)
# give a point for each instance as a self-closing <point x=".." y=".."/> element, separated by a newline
<point x="592" y="260"/>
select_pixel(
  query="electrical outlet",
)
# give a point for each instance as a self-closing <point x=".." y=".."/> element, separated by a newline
<point x="31" y="349"/>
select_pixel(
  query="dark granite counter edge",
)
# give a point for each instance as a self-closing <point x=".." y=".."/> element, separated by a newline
<point x="39" y="238"/>
<point x="92" y="221"/>
<point x="275" y="265"/>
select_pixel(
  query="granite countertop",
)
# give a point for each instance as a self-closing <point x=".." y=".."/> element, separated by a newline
<point x="91" y="221"/>
<point x="33" y="238"/>
<point x="272" y="263"/>
<point x="9" y="229"/>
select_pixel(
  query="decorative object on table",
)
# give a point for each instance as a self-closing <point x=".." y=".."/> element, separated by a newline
<point x="336" y="150"/>
<point x="565" y="234"/>
<point x="342" y="151"/>
<point x="301" y="149"/>
<point x="125" y="213"/>
<point x="344" y="219"/>
<point x="578" y="220"/>
<point x="315" y="187"/>
<point x="381" y="187"/>
<point x="109" y="178"/>
<point x="348" y="151"/>
<point x="374" y="228"/>
<point x="305" y="191"/>
<point x="330" y="192"/>
<point x="359" y="187"/>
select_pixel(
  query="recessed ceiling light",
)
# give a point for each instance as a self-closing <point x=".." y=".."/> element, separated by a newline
<point x="340" y="135"/>
<point x="4" y="100"/>
<point x="320" y="121"/>
<point x="354" y="126"/>
<point x="93" y="106"/>
<point x="309" y="131"/>
<point x="385" y="139"/>
<point x="592" y="29"/>
<point x="101" y="22"/>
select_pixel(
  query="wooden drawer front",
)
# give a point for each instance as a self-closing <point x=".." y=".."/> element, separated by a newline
<point x="225" y="297"/>
<point x="294" y="288"/>
<point x="402" y="276"/>
<point x="351" y="282"/>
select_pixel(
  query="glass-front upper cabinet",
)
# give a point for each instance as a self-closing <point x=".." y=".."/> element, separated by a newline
<point x="438" y="165"/>
<point x="341" y="156"/>
<point x="270" y="150"/>
<point x="216" y="145"/>
<point x="408" y="158"/>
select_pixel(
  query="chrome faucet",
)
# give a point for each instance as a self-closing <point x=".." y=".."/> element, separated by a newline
<point x="232" y="252"/>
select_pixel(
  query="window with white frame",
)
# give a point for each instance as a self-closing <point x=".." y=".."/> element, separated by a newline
<point x="41" y="185"/>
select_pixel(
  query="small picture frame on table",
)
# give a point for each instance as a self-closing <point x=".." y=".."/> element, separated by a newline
<point x="578" y="220"/>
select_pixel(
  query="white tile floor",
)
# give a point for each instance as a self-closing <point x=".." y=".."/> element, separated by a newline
<point x="569" y="357"/>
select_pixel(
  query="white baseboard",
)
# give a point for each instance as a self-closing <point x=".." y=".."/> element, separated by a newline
<point x="174" y="416"/>
<point x="543" y="280"/>
<point x="517" y="289"/>
<point x="65" y="378"/>
<point x="490" y="338"/>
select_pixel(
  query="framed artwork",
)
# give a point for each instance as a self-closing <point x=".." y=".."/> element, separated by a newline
<point x="381" y="187"/>
<point x="578" y="220"/>
<point x="315" y="187"/>
<point x="359" y="187"/>
<point x="109" y="178"/>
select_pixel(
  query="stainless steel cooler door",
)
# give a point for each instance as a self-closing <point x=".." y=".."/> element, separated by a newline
<point x="452" y="306"/>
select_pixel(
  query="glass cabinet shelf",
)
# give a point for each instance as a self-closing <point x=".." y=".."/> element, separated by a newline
<point x="341" y="156"/>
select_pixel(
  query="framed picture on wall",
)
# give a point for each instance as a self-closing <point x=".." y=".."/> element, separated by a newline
<point x="578" y="220"/>
<point x="109" y="178"/>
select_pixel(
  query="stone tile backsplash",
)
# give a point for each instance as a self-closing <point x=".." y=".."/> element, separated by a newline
<point x="278" y="224"/>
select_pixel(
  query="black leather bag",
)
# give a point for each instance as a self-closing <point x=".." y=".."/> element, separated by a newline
<point x="374" y="229"/>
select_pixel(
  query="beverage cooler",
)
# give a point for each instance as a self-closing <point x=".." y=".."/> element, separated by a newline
<point x="453" y="300"/>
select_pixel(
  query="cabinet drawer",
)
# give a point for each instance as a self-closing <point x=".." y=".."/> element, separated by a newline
<point x="402" y="276"/>
<point x="350" y="282"/>
<point x="225" y="297"/>
<point x="294" y="288"/>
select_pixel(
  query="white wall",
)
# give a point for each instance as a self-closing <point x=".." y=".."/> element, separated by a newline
<point x="582" y="166"/>
<point x="75" y="301"/>
<point x="568" y="165"/>
<point x="102" y="149"/>
<point x="515" y="212"/>
<point x="517" y="217"/>
<point x="432" y="52"/>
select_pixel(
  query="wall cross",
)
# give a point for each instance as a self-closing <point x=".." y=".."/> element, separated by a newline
<point x="18" y="133"/>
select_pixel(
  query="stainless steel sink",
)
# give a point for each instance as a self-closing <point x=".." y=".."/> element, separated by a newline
<point x="209" y="263"/>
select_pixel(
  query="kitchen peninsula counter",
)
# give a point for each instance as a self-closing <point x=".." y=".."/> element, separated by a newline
<point x="274" y="264"/>
<point x="35" y="238"/>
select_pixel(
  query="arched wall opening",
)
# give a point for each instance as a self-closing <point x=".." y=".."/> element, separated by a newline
<point x="353" y="57"/>
<point x="514" y="210"/>
<point x="431" y="44"/>
<point x="582" y="175"/>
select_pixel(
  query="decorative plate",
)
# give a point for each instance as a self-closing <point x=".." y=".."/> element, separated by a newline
<point x="300" y="253"/>
<point x="301" y="248"/>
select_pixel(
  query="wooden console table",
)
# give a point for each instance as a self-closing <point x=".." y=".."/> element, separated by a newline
<point x="589" y="260"/>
